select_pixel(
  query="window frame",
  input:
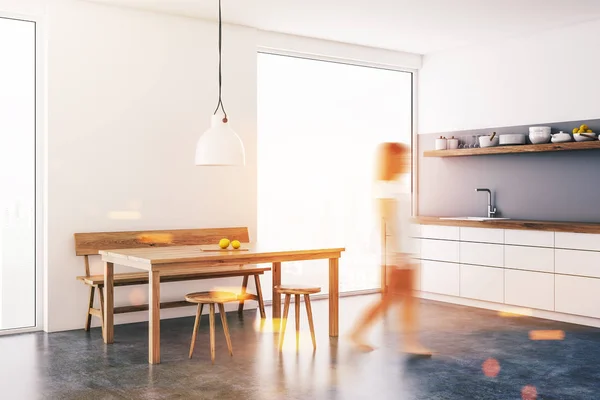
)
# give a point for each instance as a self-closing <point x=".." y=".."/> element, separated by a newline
<point x="39" y="168"/>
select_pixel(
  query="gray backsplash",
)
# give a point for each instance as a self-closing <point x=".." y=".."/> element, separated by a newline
<point x="553" y="186"/>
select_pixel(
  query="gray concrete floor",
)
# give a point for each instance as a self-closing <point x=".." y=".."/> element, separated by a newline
<point x="78" y="365"/>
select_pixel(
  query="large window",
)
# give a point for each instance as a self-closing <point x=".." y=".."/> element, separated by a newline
<point x="17" y="175"/>
<point x="318" y="127"/>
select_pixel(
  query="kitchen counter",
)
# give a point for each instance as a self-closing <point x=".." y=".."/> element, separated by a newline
<point x="553" y="226"/>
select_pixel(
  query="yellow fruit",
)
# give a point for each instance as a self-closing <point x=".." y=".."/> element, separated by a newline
<point x="224" y="243"/>
<point x="583" y="127"/>
<point x="236" y="244"/>
<point x="575" y="130"/>
<point x="589" y="131"/>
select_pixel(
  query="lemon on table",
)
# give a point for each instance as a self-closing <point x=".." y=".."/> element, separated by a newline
<point x="224" y="243"/>
<point x="236" y="244"/>
<point x="575" y="130"/>
<point x="583" y="127"/>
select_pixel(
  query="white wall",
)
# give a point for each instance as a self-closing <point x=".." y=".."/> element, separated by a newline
<point x="129" y="93"/>
<point x="547" y="77"/>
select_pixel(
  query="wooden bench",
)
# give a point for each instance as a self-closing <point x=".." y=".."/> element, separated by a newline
<point x="88" y="244"/>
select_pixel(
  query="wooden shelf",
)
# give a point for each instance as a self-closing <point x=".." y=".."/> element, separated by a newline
<point x="524" y="148"/>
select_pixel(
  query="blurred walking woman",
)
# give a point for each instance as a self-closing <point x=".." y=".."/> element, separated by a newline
<point x="393" y="202"/>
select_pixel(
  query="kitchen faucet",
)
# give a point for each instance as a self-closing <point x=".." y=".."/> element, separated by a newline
<point x="491" y="211"/>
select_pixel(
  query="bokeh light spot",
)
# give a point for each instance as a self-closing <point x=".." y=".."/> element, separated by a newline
<point x="529" y="392"/>
<point x="491" y="367"/>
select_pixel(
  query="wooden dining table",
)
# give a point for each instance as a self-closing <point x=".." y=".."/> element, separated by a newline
<point x="155" y="260"/>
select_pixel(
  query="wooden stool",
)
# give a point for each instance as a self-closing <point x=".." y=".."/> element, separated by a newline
<point x="211" y="298"/>
<point x="297" y="290"/>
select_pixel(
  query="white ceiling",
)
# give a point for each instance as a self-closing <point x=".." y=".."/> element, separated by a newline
<point x="417" y="26"/>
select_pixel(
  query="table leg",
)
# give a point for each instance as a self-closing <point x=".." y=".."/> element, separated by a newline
<point x="154" y="319"/>
<point x="276" y="303"/>
<point x="333" y="297"/>
<point x="109" y="330"/>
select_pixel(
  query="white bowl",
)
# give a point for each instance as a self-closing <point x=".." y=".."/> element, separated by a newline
<point x="484" y="141"/>
<point x="538" y="137"/>
<point x="579" y="138"/>
<point x="512" y="138"/>
<point x="561" y="137"/>
<point x="545" y="129"/>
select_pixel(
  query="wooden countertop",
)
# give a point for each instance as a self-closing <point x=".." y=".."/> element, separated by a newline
<point x="575" y="227"/>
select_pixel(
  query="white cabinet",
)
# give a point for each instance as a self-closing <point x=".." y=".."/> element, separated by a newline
<point x="439" y="250"/>
<point x="529" y="258"/>
<point x="529" y="289"/>
<point x="483" y="235"/>
<point x="578" y="295"/>
<point x="482" y="283"/>
<point x="577" y="262"/>
<point x="440" y="232"/>
<point x="482" y="254"/>
<point x="577" y="241"/>
<point x="440" y="277"/>
<point x="529" y="238"/>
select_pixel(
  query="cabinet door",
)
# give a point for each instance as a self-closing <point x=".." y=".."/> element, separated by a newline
<point x="577" y="262"/>
<point x="440" y="277"/>
<point x="578" y="295"/>
<point x="529" y="238"/>
<point x="482" y="283"/>
<point x="577" y="241"/>
<point x="529" y="289"/>
<point x="529" y="258"/>
<point x="439" y="250"/>
<point x="482" y="254"/>
<point x="483" y="235"/>
<point x="440" y="232"/>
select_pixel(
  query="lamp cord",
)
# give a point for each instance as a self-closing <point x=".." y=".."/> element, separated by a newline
<point x="220" y="103"/>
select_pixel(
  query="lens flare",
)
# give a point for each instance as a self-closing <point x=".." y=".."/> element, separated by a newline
<point x="515" y="312"/>
<point x="163" y="238"/>
<point x="137" y="297"/>
<point x="547" y="335"/>
<point x="491" y="367"/>
<point x="529" y="392"/>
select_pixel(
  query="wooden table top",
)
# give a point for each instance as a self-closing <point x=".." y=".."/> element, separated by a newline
<point x="185" y="254"/>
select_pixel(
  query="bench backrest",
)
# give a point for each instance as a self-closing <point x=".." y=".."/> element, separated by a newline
<point x="90" y="243"/>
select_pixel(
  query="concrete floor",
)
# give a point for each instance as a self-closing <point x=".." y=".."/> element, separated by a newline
<point x="77" y="365"/>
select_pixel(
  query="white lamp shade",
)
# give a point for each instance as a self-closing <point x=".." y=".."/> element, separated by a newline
<point x="220" y="146"/>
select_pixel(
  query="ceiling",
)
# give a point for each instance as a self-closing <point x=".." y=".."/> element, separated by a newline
<point x="417" y="26"/>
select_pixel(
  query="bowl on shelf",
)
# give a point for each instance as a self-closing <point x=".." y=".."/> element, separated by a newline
<point x="488" y="141"/>
<point x="579" y="137"/>
<point x="539" y="134"/>
<point x="512" y="139"/>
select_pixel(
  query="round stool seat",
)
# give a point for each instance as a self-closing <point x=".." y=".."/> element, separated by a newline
<point x="297" y="289"/>
<point x="211" y="297"/>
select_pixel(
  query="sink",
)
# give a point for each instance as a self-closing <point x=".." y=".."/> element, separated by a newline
<point x="474" y="218"/>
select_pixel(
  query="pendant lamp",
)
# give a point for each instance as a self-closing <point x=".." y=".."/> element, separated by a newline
<point x="220" y="145"/>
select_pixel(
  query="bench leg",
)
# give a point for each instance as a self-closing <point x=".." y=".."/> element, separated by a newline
<point x="244" y="286"/>
<point x="88" y="317"/>
<point x="101" y="295"/>
<point x="261" y="303"/>
<point x="286" y="309"/>
<point x="225" y="327"/>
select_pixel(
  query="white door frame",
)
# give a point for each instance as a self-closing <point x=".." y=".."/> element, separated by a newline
<point x="40" y="166"/>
